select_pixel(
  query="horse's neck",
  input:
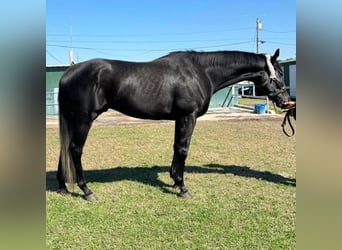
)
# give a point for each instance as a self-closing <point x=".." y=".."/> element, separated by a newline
<point x="221" y="77"/>
<point x="223" y="73"/>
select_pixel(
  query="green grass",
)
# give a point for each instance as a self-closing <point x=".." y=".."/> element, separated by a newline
<point x="241" y="174"/>
<point x="249" y="102"/>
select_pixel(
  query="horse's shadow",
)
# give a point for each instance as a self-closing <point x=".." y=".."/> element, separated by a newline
<point x="149" y="175"/>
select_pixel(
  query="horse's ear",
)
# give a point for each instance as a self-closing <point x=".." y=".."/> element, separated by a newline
<point x="275" y="56"/>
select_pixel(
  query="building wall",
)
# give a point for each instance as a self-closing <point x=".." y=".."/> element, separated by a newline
<point x="53" y="75"/>
<point x="293" y="83"/>
<point x="289" y="68"/>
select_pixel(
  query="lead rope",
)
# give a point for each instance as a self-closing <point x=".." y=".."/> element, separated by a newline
<point x="290" y="112"/>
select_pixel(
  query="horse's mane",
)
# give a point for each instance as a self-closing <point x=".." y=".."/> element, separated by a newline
<point x="219" y="57"/>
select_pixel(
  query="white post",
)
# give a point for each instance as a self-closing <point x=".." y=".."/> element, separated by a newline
<point x="258" y="27"/>
<point x="71" y="57"/>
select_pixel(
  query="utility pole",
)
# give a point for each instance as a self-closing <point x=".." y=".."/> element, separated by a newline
<point x="258" y="27"/>
<point x="71" y="52"/>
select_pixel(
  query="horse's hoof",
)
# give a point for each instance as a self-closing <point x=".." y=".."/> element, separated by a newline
<point x="185" y="195"/>
<point x="63" y="191"/>
<point x="89" y="197"/>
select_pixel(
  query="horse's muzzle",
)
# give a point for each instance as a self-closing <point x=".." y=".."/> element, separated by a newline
<point x="288" y="105"/>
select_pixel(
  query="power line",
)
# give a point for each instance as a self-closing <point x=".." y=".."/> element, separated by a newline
<point x="152" y="50"/>
<point x="280" y="32"/>
<point x="288" y="44"/>
<point x="151" y="34"/>
<point x="50" y="54"/>
<point x="94" y="42"/>
<point x="146" y="41"/>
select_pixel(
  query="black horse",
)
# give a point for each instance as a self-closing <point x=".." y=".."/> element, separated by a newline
<point x="177" y="87"/>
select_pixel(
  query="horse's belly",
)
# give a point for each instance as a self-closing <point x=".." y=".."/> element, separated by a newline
<point x="156" y="104"/>
<point x="145" y="110"/>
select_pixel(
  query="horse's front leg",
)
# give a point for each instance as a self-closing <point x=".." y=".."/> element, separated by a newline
<point x="184" y="128"/>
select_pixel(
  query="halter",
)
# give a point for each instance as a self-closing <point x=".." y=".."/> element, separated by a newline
<point x="276" y="82"/>
<point x="273" y="79"/>
<point x="277" y="91"/>
<point x="290" y="112"/>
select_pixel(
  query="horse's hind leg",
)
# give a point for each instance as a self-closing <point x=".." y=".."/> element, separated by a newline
<point x="184" y="128"/>
<point x="62" y="189"/>
<point x="81" y="128"/>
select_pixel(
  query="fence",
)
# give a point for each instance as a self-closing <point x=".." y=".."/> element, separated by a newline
<point x="51" y="101"/>
<point x="252" y="95"/>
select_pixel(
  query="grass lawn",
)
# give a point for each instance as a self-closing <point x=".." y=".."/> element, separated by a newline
<point x="242" y="175"/>
<point x="249" y="102"/>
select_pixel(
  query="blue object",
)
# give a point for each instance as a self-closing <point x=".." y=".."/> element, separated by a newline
<point x="260" y="108"/>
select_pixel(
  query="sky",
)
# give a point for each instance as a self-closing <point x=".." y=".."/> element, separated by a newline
<point x="142" y="30"/>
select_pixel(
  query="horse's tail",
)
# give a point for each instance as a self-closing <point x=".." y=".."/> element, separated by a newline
<point x="65" y="134"/>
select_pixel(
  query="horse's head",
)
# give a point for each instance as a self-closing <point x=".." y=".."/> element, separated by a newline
<point x="272" y="83"/>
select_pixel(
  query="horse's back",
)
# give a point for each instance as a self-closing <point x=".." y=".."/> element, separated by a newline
<point x="80" y="71"/>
